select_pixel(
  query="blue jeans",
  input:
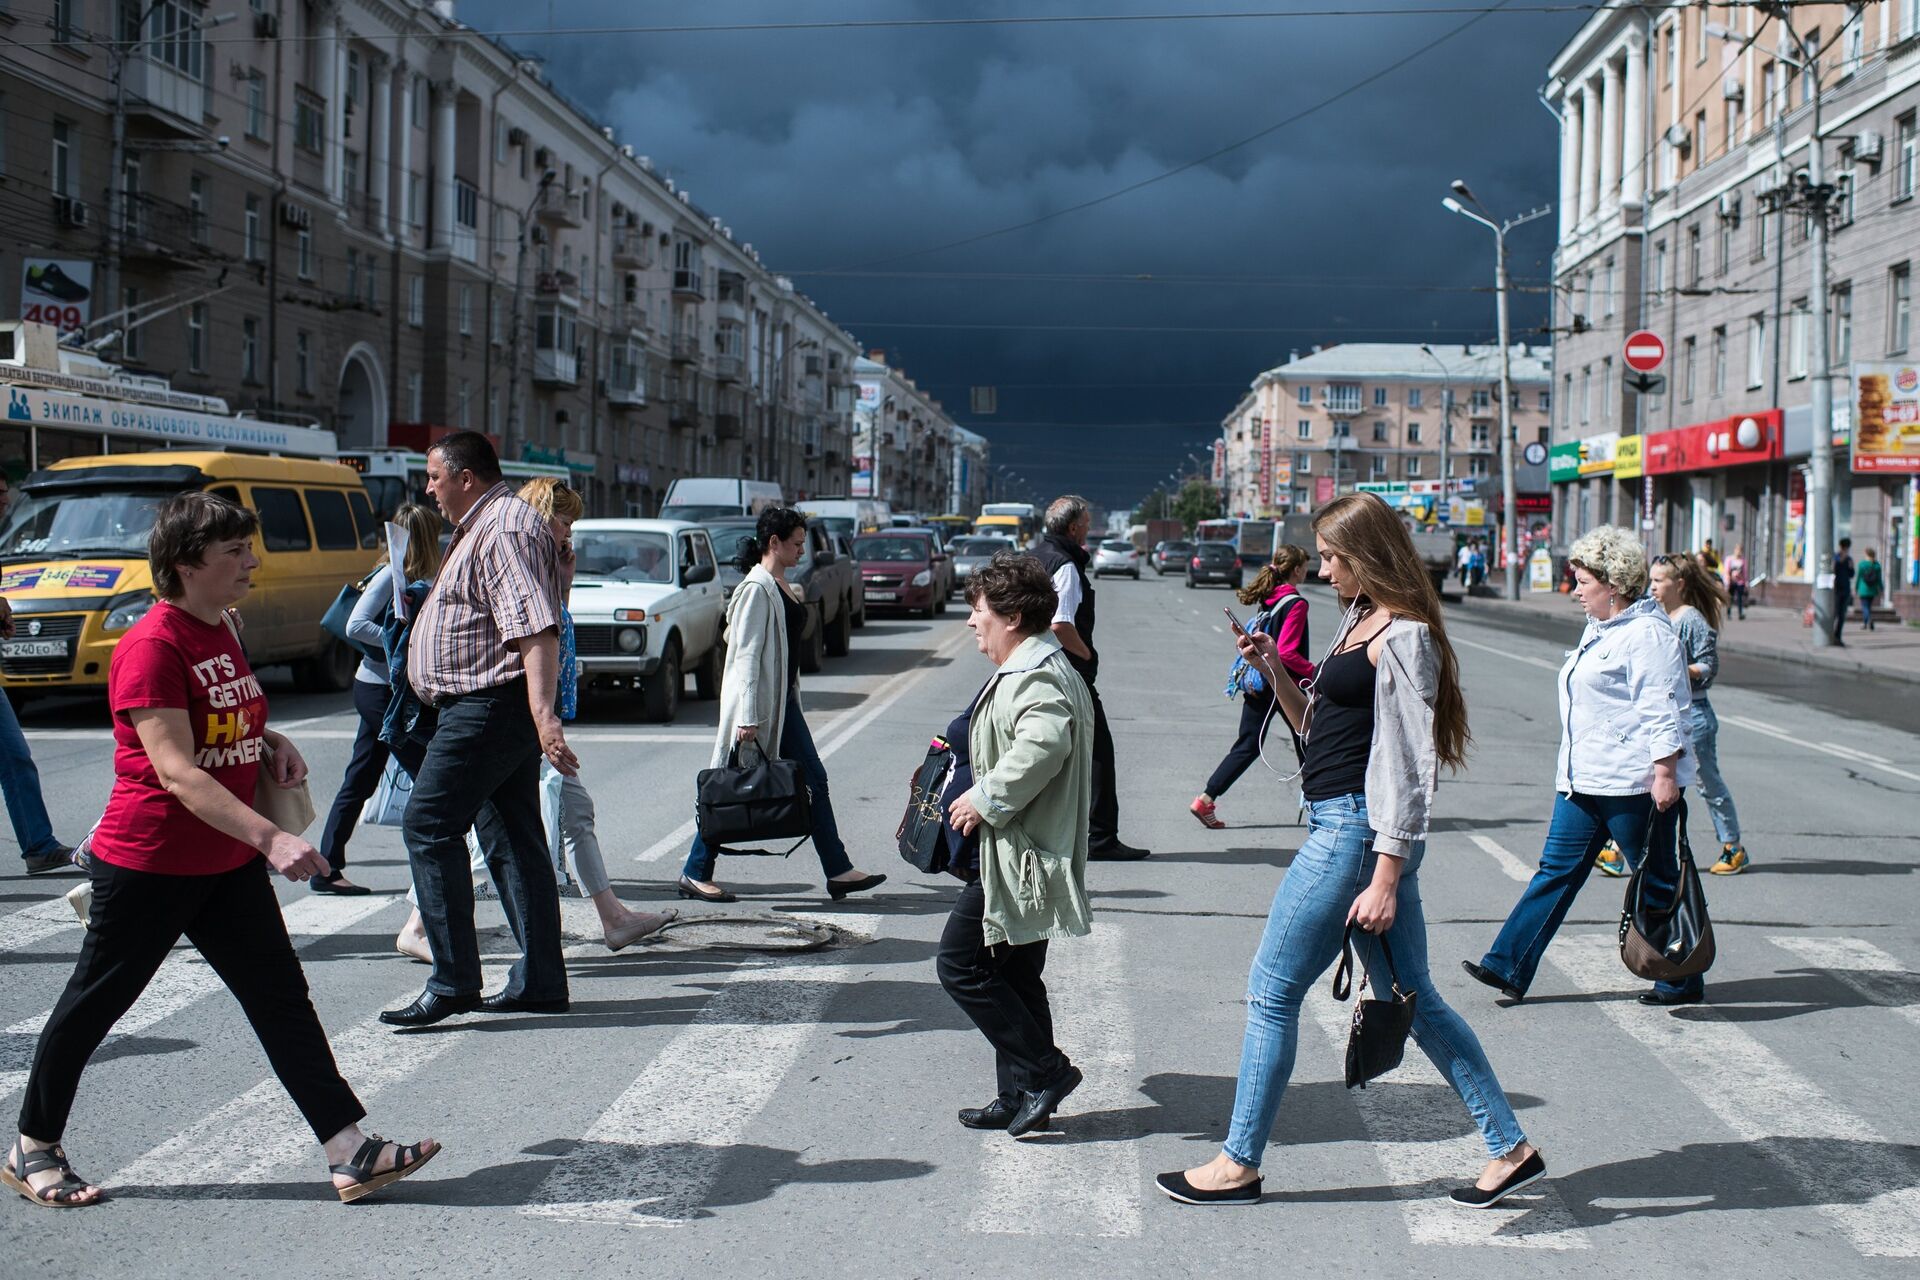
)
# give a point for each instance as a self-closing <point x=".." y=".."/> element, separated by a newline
<point x="1580" y="828"/>
<point x="1302" y="940"/>
<point x="1703" y="727"/>
<point x="796" y="743"/>
<point x="20" y="781"/>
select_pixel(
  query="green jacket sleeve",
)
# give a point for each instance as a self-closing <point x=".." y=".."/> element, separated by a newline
<point x="1042" y="744"/>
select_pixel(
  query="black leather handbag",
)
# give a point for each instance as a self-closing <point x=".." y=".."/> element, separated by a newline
<point x="1379" y="1037"/>
<point x="1676" y="941"/>
<point x="766" y="800"/>
<point x="921" y="836"/>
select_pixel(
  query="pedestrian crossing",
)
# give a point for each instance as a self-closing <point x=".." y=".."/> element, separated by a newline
<point x="655" y="1153"/>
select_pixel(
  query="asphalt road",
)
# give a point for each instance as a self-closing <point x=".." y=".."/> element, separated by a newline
<point x="709" y="1111"/>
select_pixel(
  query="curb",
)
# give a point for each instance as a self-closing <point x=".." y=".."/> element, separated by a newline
<point x="1799" y="657"/>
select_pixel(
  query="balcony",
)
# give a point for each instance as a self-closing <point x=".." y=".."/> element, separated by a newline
<point x="553" y="367"/>
<point x="1342" y="401"/>
<point x="161" y="233"/>
<point x="626" y="396"/>
<point x="632" y="248"/>
<point x="466" y="221"/>
<point x="629" y="317"/>
<point x="557" y="208"/>
<point x="686" y="348"/>
<point x="728" y="368"/>
<point x="727" y="426"/>
<point x="556" y="284"/>
<point x="684" y="415"/>
<point x="689" y="283"/>
<point x="165" y="95"/>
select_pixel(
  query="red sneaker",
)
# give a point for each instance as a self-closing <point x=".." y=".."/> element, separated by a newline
<point x="1202" y="808"/>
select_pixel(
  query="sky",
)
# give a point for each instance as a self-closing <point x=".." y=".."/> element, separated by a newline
<point x="1119" y="335"/>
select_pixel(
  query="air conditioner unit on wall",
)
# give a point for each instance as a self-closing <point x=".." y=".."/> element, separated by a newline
<point x="266" y="26"/>
<point x="71" y="212"/>
<point x="1679" y="136"/>
<point x="1868" y="146"/>
<point x="296" y="215"/>
<point x="1730" y="206"/>
<point x="1732" y="90"/>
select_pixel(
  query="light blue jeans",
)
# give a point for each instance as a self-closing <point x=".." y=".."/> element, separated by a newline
<point x="1704" y="728"/>
<point x="1301" y="942"/>
<point x="20" y="781"/>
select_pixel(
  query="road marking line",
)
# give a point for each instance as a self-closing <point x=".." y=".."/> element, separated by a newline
<point x="182" y="979"/>
<point x="1402" y="1124"/>
<point x="1023" y="1181"/>
<point x="1858" y="755"/>
<point x="29" y="925"/>
<point x="1512" y="866"/>
<point x="834" y="735"/>
<point x="1859" y="966"/>
<point x="1865" y="1187"/>
<point x="652" y="1157"/>
<point x="1504" y="653"/>
<point x="1825" y="748"/>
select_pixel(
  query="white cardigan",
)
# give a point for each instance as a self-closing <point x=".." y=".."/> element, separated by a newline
<point x="753" y="686"/>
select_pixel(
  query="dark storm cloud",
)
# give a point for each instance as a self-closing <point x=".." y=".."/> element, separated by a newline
<point x="833" y="149"/>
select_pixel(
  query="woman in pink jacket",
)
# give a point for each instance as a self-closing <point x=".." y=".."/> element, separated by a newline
<point x="1282" y="615"/>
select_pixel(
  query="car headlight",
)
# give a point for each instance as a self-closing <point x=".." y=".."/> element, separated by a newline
<point x="126" y="609"/>
<point x="923" y="578"/>
<point x="630" y="639"/>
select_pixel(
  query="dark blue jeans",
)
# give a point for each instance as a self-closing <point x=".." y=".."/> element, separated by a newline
<point x="1581" y="826"/>
<point x="796" y="744"/>
<point x="482" y="769"/>
<point x="20" y="780"/>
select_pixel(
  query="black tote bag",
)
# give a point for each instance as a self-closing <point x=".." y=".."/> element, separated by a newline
<point x="1674" y="942"/>
<point x="1379" y="1037"/>
<point x="921" y="836"/>
<point x="766" y="800"/>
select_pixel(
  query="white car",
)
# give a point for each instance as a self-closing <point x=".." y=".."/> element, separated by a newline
<point x="647" y="608"/>
<point x="1116" y="555"/>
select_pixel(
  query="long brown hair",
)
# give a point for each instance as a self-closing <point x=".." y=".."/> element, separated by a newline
<point x="1697" y="587"/>
<point x="423" y="526"/>
<point x="1286" y="562"/>
<point x="1377" y="550"/>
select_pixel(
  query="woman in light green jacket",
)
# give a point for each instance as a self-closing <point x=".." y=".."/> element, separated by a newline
<point x="1030" y="745"/>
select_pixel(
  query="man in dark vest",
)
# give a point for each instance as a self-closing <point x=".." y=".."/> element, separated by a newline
<point x="1062" y="551"/>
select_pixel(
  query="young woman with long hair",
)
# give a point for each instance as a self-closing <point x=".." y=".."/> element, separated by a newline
<point x="1282" y="615"/>
<point x="1695" y="602"/>
<point x="1384" y="713"/>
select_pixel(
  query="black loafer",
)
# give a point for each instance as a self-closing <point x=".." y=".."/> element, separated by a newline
<point x="1178" y="1188"/>
<point x="997" y="1114"/>
<point x="501" y="1002"/>
<point x="841" y="888"/>
<point x="1531" y="1170"/>
<point x="1665" y="999"/>
<point x="689" y="890"/>
<point x="1038" y="1105"/>
<point x="1493" y="980"/>
<point x="430" y="1008"/>
<point x="60" y="860"/>
<point x="332" y="884"/>
<point x="1116" y="851"/>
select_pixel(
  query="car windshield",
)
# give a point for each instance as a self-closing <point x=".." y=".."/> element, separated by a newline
<point x="67" y="524"/>
<point x="834" y="524"/>
<point x="1179" y="546"/>
<point x="727" y="539"/>
<point x="1116" y="546"/>
<point x="623" y="555"/>
<point x="903" y="550"/>
<point x="1216" y="550"/>
<point x="697" y="513"/>
<point x="981" y="547"/>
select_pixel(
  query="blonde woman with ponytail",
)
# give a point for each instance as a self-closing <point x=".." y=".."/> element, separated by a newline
<point x="1384" y="713"/>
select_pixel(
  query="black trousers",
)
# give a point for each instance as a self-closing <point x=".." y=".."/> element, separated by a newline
<point x="233" y="921"/>
<point x="1004" y="995"/>
<point x="1103" y="819"/>
<point x="1254" y="710"/>
<point x="368" y="761"/>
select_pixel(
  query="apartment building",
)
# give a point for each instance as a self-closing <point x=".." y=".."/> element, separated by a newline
<point x="1377" y="413"/>
<point x="906" y="450"/>
<point x="1685" y="142"/>
<point x="363" y="214"/>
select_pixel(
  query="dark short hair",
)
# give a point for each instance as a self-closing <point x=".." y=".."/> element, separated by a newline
<point x="184" y="527"/>
<point x="468" y="451"/>
<point x="774" y="523"/>
<point x="1015" y="586"/>
<point x="1846" y="542"/>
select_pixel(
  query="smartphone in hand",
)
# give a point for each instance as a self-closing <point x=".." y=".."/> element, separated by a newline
<point x="1233" y="621"/>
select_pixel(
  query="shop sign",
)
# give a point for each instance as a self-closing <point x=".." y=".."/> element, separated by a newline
<point x="56" y="291"/>
<point x="1564" y="462"/>
<point x="1705" y="446"/>
<point x="177" y="427"/>
<point x="627" y="473"/>
<point x="1793" y="550"/>
<point x="1596" y="454"/>
<point x="1626" y="458"/>
<point x="1282" y="481"/>
<point x="1886" y="436"/>
<point x="1540" y="570"/>
<point x="1913" y="532"/>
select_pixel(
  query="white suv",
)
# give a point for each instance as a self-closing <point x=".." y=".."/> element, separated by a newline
<point x="647" y="607"/>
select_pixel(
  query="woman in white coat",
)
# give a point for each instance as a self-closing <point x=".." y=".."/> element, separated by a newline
<point x="760" y="699"/>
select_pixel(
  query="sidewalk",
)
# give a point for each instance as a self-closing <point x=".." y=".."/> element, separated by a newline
<point x="1891" y="651"/>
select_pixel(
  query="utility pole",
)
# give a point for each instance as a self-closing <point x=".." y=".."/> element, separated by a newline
<point x="1446" y="427"/>
<point x="516" y="328"/>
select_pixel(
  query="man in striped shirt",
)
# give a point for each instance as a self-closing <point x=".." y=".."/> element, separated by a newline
<point x="484" y="657"/>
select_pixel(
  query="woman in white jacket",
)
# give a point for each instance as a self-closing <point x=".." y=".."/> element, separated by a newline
<point x="760" y="700"/>
<point x="1625" y="754"/>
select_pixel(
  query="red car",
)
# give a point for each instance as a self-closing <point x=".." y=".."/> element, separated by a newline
<point x="897" y="571"/>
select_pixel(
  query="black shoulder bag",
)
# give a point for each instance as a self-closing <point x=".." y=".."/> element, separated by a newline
<point x="1674" y="942"/>
<point x="738" y="803"/>
<point x="1379" y="1036"/>
<point x="921" y="836"/>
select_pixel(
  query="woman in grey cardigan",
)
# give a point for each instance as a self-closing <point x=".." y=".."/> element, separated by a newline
<point x="1384" y="713"/>
<point x="760" y="700"/>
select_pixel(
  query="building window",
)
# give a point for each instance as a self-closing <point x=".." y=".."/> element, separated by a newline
<point x="461" y="418"/>
<point x="1377" y="468"/>
<point x="1694" y="266"/>
<point x="1482" y="399"/>
<point x="1478" y="466"/>
<point x="1566" y="397"/>
<point x="1799" y="339"/>
<point x="1699" y="139"/>
<point x="373" y="282"/>
<point x="1900" y="312"/>
<point x="1689" y="359"/>
<point x="257" y="107"/>
<point x="1757" y="351"/>
<point x="309" y="122"/>
<point x="1305" y="395"/>
<point x="1379" y="397"/>
<point x="1855" y="36"/>
<point x="1730" y="122"/>
<point x="197" y="338"/>
<point x="494" y="327"/>
<point x="1606" y="300"/>
<point x="1769" y="88"/>
<point x="1481" y="436"/>
<point x="416" y="201"/>
<point x="67" y="18"/>
<point x="130" y="342"/>
<point x="1670" y="65"/>
<point x="1413" y="397"/>
<point x="1723" y="235"/>
<point x="1546" y="402"/>
<point x="1413" y="433"/>
<point x="200" y="228"/>
<point x="419" y="100"/>
<point x="303" y="240"/>
<point x="65" y="170"/>
<point x="1760" y="223"/>
<point x="1586" y="394"/>
<point x="1380" y="433"/>
<point x="1699" y="33"/>
<point x="353" y="273"/>
<point x="303" y="363"/>
<point x="1905" y="158"/>
<point x="1843" y="325"/>
<point x="416" y="403"/>
<point x="1413" y="468"/>
<point x="1303" y="464"/>
<point x="1303" y="429"/>
<point x="249" y="350"/>
<point x="1718" y="355"/>
<point x="1606" y="390"/>
<point x="250" y="230"/>
<point x="466" y="310"/>
<point x="416" y="301"/>
<point x="1659" y="267"/>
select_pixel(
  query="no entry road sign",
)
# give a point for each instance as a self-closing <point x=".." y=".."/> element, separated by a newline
<point x="1645" y="351"/>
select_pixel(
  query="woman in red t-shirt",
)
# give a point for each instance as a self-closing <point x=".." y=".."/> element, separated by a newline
<point x="179" y="851"/>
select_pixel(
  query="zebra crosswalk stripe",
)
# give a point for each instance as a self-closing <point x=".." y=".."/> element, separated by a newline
<point x="1859" y="966"/>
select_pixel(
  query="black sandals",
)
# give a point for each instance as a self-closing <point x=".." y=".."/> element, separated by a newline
<point x="64" y="1194"/>
<point x="406" y="1160"/>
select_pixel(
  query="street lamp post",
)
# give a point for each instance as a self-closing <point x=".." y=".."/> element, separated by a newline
<point x="517" y="327"/>
<point x="1511" y="538"/>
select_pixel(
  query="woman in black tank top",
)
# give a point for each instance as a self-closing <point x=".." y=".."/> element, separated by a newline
<point x="1383" y="712"/>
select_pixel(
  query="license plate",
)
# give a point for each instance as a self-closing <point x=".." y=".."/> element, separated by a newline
<point x="34" y="649"/>
<point x="882" y="595"/>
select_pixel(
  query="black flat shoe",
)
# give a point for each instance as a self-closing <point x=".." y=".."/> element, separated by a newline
<point x="1038" y="1105"/>
<point x="1178" y="1188"/>
<point x="333" y="884"/>
<point x="689" y="890"/>
<point x="997" y="1114"/>
<point x="1531" y="1170"/>
<point x="431" y="1007"/>
<point x="1117" y="851"/>
<point x="501" y="1002"/>
<point x="1493" y="980"/>
<point x="841" y="888"/>
<point x="1666" y="1000"/>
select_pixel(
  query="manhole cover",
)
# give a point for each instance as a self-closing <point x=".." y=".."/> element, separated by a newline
<point x="749" y="933"/>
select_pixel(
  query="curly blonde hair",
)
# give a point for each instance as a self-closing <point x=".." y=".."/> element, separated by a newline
<point x="1615" y="556"/>
<point x="553" y="498"/>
